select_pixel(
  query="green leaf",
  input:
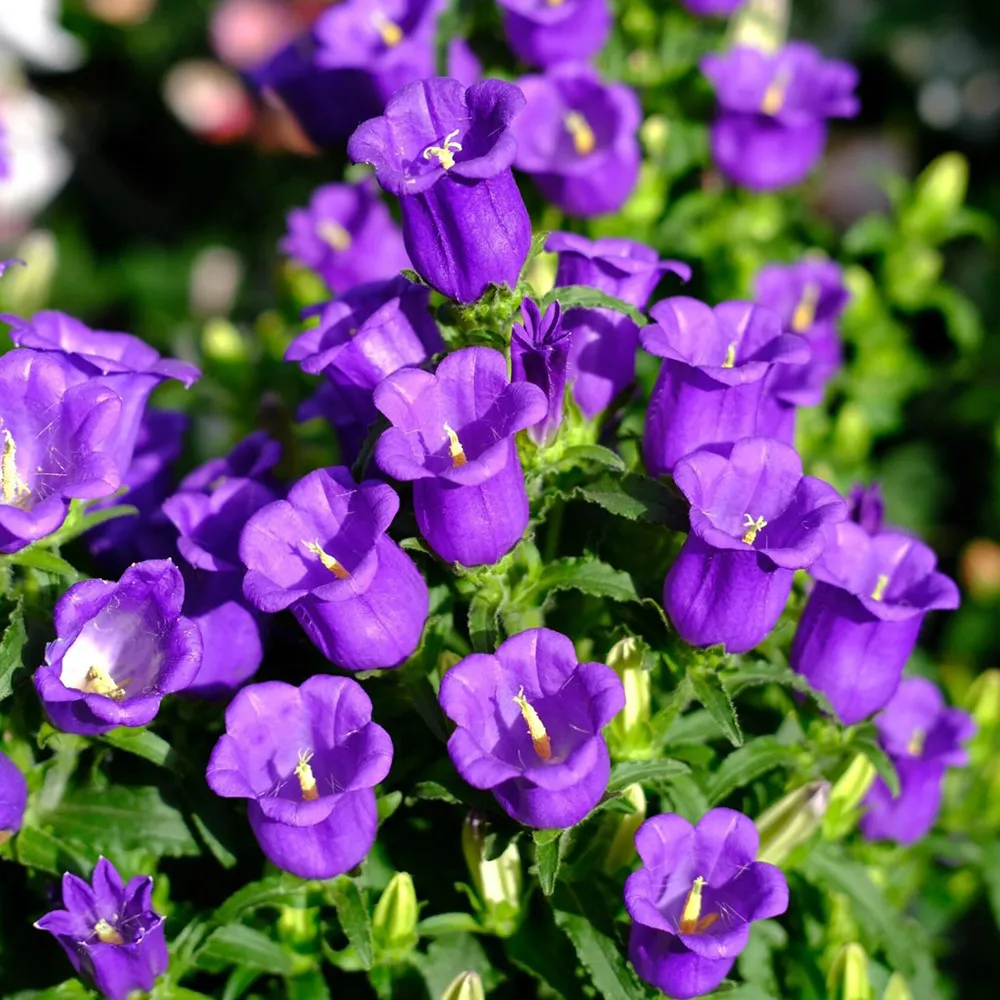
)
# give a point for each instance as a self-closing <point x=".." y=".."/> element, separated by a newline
<point x="484" y="621"/>
<point x="870" y="747"/>
<point x="72" y="989"/>
<point x="448" y="923"/>
<point x="581" y="454"/>
<point x="587" y="574"/>
<point x="43" y="559"/>
<point x="236" y="944"/>
<point x="599" y="955"/>
<point x="708" y="689"/>
<point x="145" y="744"/>
<point x="387" y="805"/>
<point x="12" y="645"/>
<point x="275" y="890"/>
<point x="79" y="522"/>
<point x="548" y="857"/>
<point x="991" y="876"/>
<point x="637" y="498"/>
<point x="569" y="296"/>
<point x="355" y="920"/>
<point x="641" y="771"/>
<point x="747" y="764"/>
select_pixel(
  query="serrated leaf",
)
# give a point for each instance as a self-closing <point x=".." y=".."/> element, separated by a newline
<point x="12" y="645"/>
<point x="145" y="744"/>
<point x="587" y="574"/>
<point x="707" y="688"/>
<point x="582" y="296"/>
<point x="596" y="453"/>
<point x="639" y="771"/>
<point x="355" y="920"/>
<point x="610" y="973"/>
<point x="239" y="945"/>
<point x="636" y="498"/>
<point x="746" y="765"/>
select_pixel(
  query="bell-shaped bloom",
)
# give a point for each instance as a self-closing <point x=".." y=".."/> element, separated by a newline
<point x="773" y="110"/>
<point x="529" y="721"/>
<point x="694" y="898"/>
<point x="452" y="435"/>
<point x="346" y="409"/>
<point x="110" y="931"/>
<point x="923" y="737"/>
<point x="539" y="353"/>
<point x="446" y="152"/>
<point x="307" y="759"/>
<point x="13" y="798"/>
<point x="604" y="342"/>
<point x="119" y="648"/>
<point x="346" y="236"/>
<point x="462" y="63"/>
<point x="577" y="137"/>
<point x="55" y="428"/>
<point x="862" y="618"/>
<point x="712" y="380"/>
<point x="253" y="458"/>
<point x="866" y="507"/>
<point x="543" y="32"/>
<point x="119" y="361"/>
<point x="755" y="519"/>
<point x="325" y="554"/>
<point x="712" y="8"/>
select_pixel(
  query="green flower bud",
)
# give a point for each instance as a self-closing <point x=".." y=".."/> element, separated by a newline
<point x="848" y="979"/>
<point x="628" y="731"/>
<point x="845" y="798"/>
<point x="791" y="821"/>
<point x="621" y="850"/>
<point x="938" y="194"/>
<point x="497" y="882"/>
<point x="983" y="703"/>
<point x="394" y="925"/>
<point x="760" y="24"/>
<point x="465" y="986"/>
<point x="897" y="988"/>
<point x="221" y="341"/>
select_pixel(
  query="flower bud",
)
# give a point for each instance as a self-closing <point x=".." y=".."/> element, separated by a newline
<point x="845" y="798"/>
<point x="394" y="925"/>
<point x="497" y="882"/>
<point x="465" y="986"/>
<point x="848" y="978"/>
<point x="897" y="988"/>
<point x="791" y="821"/>
<point x="621" y="851"/>
<point x="628" y="730"/>
<point x="983" y="704"/>
<point x="938" y="194"/>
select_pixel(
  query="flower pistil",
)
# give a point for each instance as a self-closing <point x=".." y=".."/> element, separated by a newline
<point x="752" y="527"/>
<point x="692" y="922"/>
<point x="539" y="737"/>
<point x="328" y="561"/>
<point x="915" y="747"/>
<point x="445" y="153"/>
<point x="107" y="934"/>
<point x="730" y="356"/>
<point x="391" y="33"/>
<point x="334" y="234"/>
<point x="12" y="488"/>
<point x="805" y="312"/>
<point x="307" y="780"/>
<point x="581" y="133"/>
<point x="881" y="584"/>
<point x="455" y="449"/>
<point x="99" y="681"/>
<point x="774" y="97"/>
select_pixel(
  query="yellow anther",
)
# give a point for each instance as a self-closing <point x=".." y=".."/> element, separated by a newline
<point x="334" y="235"/>
<point x="881" y="583"/>
<point x="446" y="152"/>
<point x="805" y="311"/>
<point x="327" y="560"/>
<point x="455" y="449"/>
<point x="392" y="33"/>
<point x="774" y="97"/>
<point x="107" y="934"/>
<point x="730" y="356"/>
<point x="692" y="922"/>
<point x="579" y="128"/>
<point x="12" y="488"/>
<point x="99" y="681"/>
<point x="539" y="737"/>
<point x="555" y="3"/>
<point x="307" y="781"/>
<point x="916" y="745"/>
<point x="752" y="526"/>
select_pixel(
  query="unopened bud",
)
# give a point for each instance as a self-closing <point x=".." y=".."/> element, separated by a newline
<point x="983" y="704"/>
<point x="848" y="979"/>
<point x="628" y="730"/>
<point x="221" y="341"/>
<point x="394" y="924"/>
<point x="938" y="194"/>
<point x="465" y="986"/>
<point x="621" y="851"/>
<point x="897" y="988"/>
<point x="497" y="882"/>
<point x="791" y="821"/>
<point x="847" y="795"/>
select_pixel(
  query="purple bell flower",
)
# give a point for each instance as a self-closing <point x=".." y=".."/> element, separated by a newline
<point x="123" y="363"/>
<point x="712" y="8"/>
<point x="713" y="375"/>
<point x="546" y="32"/>
<point x="119" y="648"/>
<point x="446" y="152"/>
<point x="307" y="759"/>
<point x="462" y="63"/>
<point x="923" y="737"/>
<point x="773" y="108"/>
<point x="253" y="458"/>
<point x="539" y="352"/>
<point x="755" y="519"/>
<point x="346" y="236"/>
<point x="55" y="427"/>
<point x="347" y="409"/>
<point x="529" y="723"/>
<point x="13" y="798"/>
<point x="325" y="554"/>
<point x="452" y="434"/>
<point x="577" y="138"/>
<point x="861" y="621"/>
<point x="694" y="898"/>
<point x="110" y="931"/>
<point x="604" y="344"/>
<point x="866" y="507"/>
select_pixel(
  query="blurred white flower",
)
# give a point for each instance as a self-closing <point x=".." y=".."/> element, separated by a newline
<point x="30" y="30"/>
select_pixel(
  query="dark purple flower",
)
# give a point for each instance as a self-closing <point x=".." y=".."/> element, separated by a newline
<point x="307" y="759"/>
<point x="773" y="108"/>
<point x="866" y="507"/>
<point x="923" y="737"/>
<point x="55" y="427"/>
<point x="694" y="898"/>
<point x="347" y="236"/>
<point x="452" y="434"/>
<point x="755" y="519"/>
<point x="539" y="351"/>
<point x="546" y="32"/>
<point x="123" y="363"/>
<point x="324" y="553"/>
<point x="119" y="648"/>
<point x="13" y="798"/>
<point x="712" y="379"/>
<point x="712" y="8"/>
<point x="446" y="152"/>
<point x="604" y="342"/>
<point x="110" y="931"/>
<point x="861" y="621"/>
<point x="253" y="458"/>
<point x="577" y="138"/>
<point x="462" y="63"/>
<point x="529" y="723"/>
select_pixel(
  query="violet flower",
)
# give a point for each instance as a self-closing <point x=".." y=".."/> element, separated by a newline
<point x="713" y="375"/>
<point x="604" y="344"/>
<point x="452" y="434"/>
<point x="866" y="507"/>
<point x="462" y="63"/>
<point x="307" y="760"/>
<point x="712" y="8"/>
<point x="577" y="137"/>
<point x="446" y="152"/>
<point x="119" y="648"/>
<point x="110" y="931"/>
<point x="119" y="361"/>
<point x="253" y="458"/>
<point x="346" y="236"/>
<point x="773" y="109"/>
<point x="325" y="554"/>
<point x="539" y="352"/>
<point x="862" y="618"/>
<point x="923" y="737"/>
<point x="755" y="519"/>
<point x="694" y="898"/>
<point x="55" y="426"/>
<point x="529" y="721"/>
<point x="13" y="798"/>
<point x="546" y="32"/>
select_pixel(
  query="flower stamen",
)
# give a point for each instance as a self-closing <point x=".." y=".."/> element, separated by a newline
<point x="916" y="745"/>
<point x="455" y="449"/>
<point x="881" y="585"/>
<point x="12" y="488"/>
<point x="99" y="681"/>
<point x="774" y="97"/>
<point x="327" y="560"/>
<point x="692" y="922"/>
<point x="730" y="356"/>
<point x="539" y="736"/>
<point x="107" y="934"/>
<point x="805" y="311"/>
<point x="390" y="32"/>
<point x="307" y="780"/>
<point x="445" y="153"/>
<point x="752" y="527"/>
<point x="334" y="235"/>
<point x="584" y="141"/>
